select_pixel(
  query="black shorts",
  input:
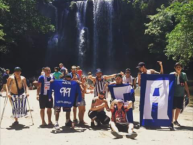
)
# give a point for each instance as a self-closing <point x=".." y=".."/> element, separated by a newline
<point x="65" y="109"/>
<point x="122" y="127"/>
<point x="178" y="102"/>
<point x="99" y="116"/>
<point x="44" y="102"/>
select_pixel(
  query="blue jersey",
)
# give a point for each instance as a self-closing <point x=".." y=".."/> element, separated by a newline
<point x="76" y="75"/>
<point x="45" y="84"/>
<point x="65" y="93"/>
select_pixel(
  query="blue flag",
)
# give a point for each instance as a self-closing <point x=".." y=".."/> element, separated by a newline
<point x="156" y="100"/>
<point x="66" y="93"/>
<point x="124" y="92"/>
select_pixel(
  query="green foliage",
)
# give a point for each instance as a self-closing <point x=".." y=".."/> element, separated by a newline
<point x="19" y="18"/>
<point x="173" y="25"/>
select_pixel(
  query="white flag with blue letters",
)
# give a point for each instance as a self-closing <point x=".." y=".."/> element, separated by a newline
<point x="156" y="100"/>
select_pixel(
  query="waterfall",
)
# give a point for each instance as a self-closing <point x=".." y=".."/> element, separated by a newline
<point x="103" y="14"/>
<point x="82" y="31"/>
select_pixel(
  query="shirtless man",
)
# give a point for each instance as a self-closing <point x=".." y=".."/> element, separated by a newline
<point x="97" y="113"/>
<point x="142" y="69"/>
<point x="11" y="88"/>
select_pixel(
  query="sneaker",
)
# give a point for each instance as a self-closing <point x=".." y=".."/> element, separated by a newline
<point x="172" y="127"/>
<point x="15" y="123"/>
<point x="131" y="135"/>
<point x="75" y="121"/>
<point x="177" y="124"/>
<point x="92" y="125"/>
<point x="56" y="126"/>
<point x="116" y="134"/>
<point x="69" y="123"/>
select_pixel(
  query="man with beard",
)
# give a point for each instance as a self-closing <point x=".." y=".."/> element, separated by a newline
<point x="96" y="112"/>
<point x="100" y="81"/>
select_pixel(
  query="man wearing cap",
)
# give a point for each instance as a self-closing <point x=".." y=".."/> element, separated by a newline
<point x="5" y="77"/>
<point x="100" y="81"/>
<point x="97" y="113"/>
<point x="42" y="96"/>
<point x="179" y="91"/>
<point x="16" y="85"/>
<point x="142" y="69"/>
<point x="119" y="121"/>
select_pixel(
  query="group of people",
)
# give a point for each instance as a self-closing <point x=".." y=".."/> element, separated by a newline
<point x="16" y="85"/>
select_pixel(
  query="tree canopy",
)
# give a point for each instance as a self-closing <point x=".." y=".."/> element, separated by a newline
<point x="20" y="18"/>
<point x="171" y="30"/>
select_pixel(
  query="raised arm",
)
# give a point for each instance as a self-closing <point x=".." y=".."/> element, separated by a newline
<point x="93" y="79"/>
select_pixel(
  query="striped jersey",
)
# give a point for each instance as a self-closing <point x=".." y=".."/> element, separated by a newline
<point x="99" y="86"/>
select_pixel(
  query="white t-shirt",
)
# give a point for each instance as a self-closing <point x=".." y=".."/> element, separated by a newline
<point x="128" y="80"/>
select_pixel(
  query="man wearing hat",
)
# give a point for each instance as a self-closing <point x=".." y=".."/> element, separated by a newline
<point x="179" y="91"/>
<point x="143" y="70"/>
<point x="16" y="86"/>
<point x="96" y="112"/>
<point x="119" y="121"/>
<point x="99" y="81"/>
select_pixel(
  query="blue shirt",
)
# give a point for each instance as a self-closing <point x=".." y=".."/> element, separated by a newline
<point x="76" y="75"/>
<point x="45" y="84"/>
<point x="65" y="93"/>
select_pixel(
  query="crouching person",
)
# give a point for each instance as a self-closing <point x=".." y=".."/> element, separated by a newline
<point x="97" y="113"/>
<point x="118" y="120"/>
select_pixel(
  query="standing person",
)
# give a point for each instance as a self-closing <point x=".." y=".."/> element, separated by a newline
<point x="75" y="77"/>
<point x="81" y="106"/>
<point x="142" y="69"/>
<point x="57" y="75"/>
<point x="16" y="89"/>
<point x="65" y="109"/>
<point x="119" y="121"/>
<point x="5" y="77"/>
<point x="79" y="71"/>
<point x="179" y="91"/>
<point x="63" y="70"/>
<point x="96" y="112"/>
<point x="100" y="81"/>
<point x="42" y="96"/>
<point x="128" y="79"/>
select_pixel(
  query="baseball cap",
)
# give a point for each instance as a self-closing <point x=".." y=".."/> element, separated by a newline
<point x="140" y="64"/>
<point x="17" y="69"/>
<point x="120" y="100"/>
<point x="98" y="70"/>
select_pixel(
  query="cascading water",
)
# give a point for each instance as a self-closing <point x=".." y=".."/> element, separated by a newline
<point x="82" y="38"/>
<point x="103" y="14"/>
